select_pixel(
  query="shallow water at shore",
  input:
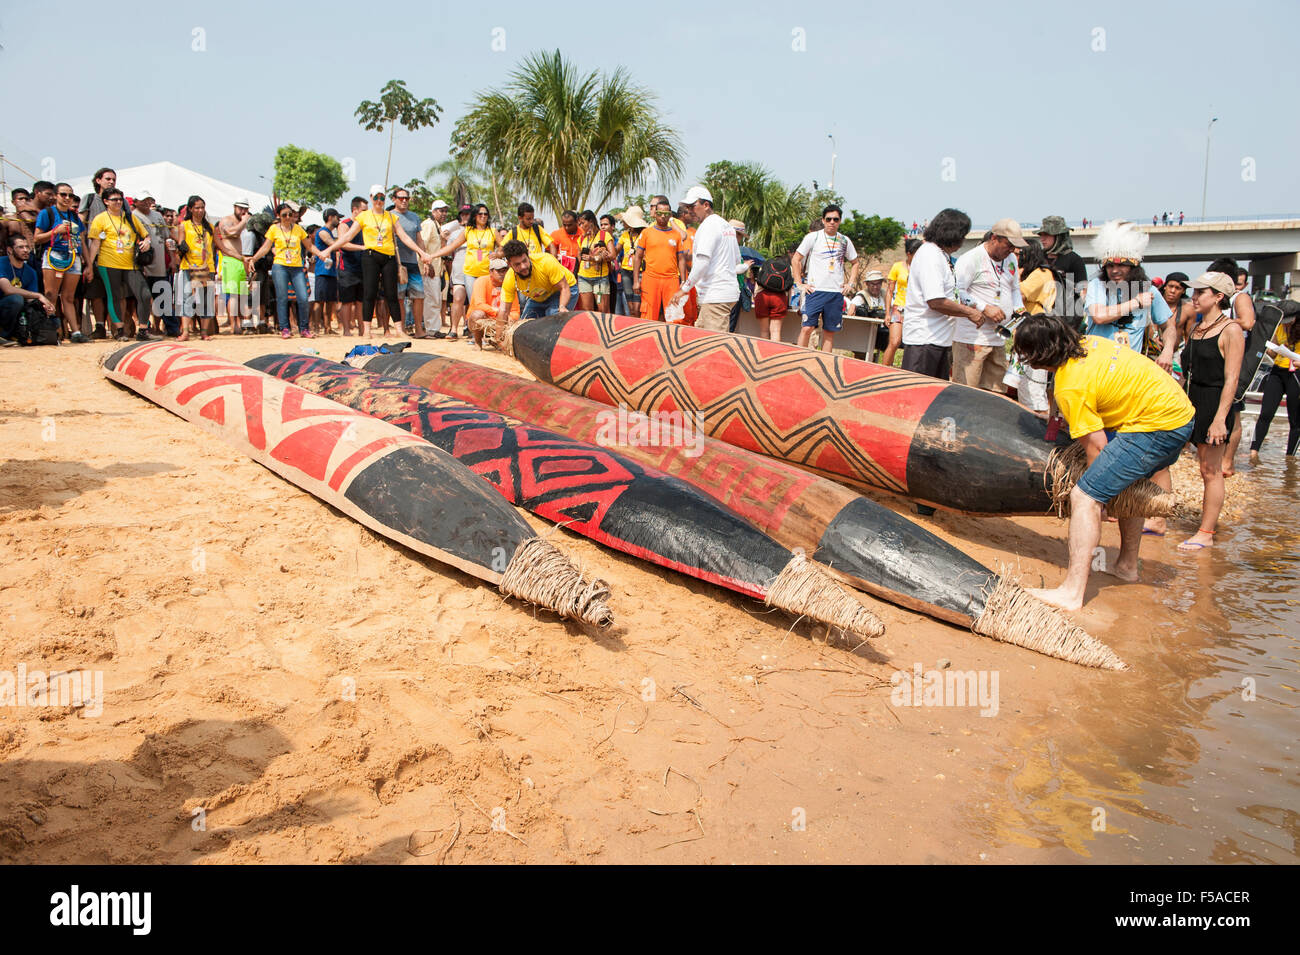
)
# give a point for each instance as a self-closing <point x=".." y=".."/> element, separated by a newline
<point x="1191" y="757"/>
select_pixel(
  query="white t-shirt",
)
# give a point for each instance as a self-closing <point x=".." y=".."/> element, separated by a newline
<point x="716" y="257"/>
<point x="451" y="231"/>
<point x="931" y="276"/>
<point x="824" y="259"/>
<point x="982" y="282"/>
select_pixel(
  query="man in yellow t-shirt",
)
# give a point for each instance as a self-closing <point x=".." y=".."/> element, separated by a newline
<point x="541" y="281"/>
<point x="537" y="240"/>
<point x="1133" y="421"/>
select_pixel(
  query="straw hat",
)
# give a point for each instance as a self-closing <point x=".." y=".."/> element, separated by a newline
<point x="633" y="218"/>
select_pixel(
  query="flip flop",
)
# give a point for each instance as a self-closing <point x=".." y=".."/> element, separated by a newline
<point x="1151" y="533"/>
<point x="1188" y="546"/>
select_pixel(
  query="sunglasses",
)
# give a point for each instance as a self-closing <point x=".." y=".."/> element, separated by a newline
<point x="114" y="199"/>
<point x="831" y="219"/>
<point x="400" y="198"/>
<point x="66" y="195"/>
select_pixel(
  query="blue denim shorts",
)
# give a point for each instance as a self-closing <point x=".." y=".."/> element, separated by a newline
<point x="828" y="306"/>
<point x="1132" y="456"/>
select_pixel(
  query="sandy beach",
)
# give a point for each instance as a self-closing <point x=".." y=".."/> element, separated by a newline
<point x="282" y="685"/>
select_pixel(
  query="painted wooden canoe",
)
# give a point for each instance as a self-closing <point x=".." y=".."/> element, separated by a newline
<point x="593" y="491"/>
<point x="396" y="484"/>
<point x="866" y="544"/>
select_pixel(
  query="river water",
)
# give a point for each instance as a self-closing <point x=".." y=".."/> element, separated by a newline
<point x="1192" y="758"/>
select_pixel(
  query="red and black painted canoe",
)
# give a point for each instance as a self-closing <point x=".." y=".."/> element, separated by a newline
<point x="864" y="543"/>
<point x="594" y="491"/>
<point x="937" y="442"/>
<point x="393" y="482"/>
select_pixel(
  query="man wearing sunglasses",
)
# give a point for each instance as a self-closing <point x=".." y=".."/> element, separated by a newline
<point x="826" y="252"/>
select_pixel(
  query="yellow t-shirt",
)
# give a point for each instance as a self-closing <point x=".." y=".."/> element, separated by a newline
<point x="627" y="246"/>
<point x="531" y="238"/>
<point x="1038" y="291"/>
<point x="1279" y="337"/>
<point x="898" y="274"/>
<point x="587" y="270"/>
<point x="479" y="244"/>
<point x="288" y="245"/>
<point x="198" y="246"/>
<point x="1116" y="389"/>
<point x="377" y="231"/>
<point x="117" y="241"/>
<point x="548" y="275"/>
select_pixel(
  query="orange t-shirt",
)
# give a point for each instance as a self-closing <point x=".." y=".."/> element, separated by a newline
<point x="568" y="245"/>
<point x="488" y="299"/>
<point x="659" y="250"/>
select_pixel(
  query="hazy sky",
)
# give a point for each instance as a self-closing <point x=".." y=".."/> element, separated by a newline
<point x="1087" y="109"/>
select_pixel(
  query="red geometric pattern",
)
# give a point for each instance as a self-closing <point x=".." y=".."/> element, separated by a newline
<point x="801" y="406"/>
<point x="313" y="442"/>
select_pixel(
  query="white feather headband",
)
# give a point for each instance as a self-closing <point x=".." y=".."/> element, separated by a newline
<point x="1120" y="241"/>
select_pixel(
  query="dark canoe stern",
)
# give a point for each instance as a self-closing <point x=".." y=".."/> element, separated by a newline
<point x="890" y="557"/>
<point x="980" y="453"/>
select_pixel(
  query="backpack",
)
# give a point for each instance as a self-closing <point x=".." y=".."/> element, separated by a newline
<point x="775" y="275"/>
<point x="33" y="326"/>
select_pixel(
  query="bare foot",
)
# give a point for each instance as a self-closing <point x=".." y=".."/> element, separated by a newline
<point x="1056" y="598"/>
<point x="1127" y="574"/>
<point x="1229" y="471"/>
<point x="1254" y="457"/>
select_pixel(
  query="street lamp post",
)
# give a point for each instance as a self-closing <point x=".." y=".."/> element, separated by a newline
<point x="831" y="185"/>
<point x="1205" y="185"/>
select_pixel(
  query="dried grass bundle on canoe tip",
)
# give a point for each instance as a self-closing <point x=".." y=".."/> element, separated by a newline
<point x="542" y="575"/>
<point x="1142" y="498"/>
<point x="505" y="337"/>
<point x="804" y="589"/>
<point x="1012" y="615"/>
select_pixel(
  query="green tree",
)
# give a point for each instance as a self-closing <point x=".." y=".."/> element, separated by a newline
<point x="311" y="178"/>
<point x="872" y="235"/>
<point x="570" y="141"/>
<point x="397" y="105"/>
<point x="774" y="214"/>
<point x="421" y="196"/>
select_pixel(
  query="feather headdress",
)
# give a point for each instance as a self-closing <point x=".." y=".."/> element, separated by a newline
<point x="1120" y="241"/>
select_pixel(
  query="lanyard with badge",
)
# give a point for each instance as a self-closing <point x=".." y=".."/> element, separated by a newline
<point x="381" y="236"/>
<point x="1122" y="327"/>
<point x="832" y="244"/>
<point x="119" y="229"/>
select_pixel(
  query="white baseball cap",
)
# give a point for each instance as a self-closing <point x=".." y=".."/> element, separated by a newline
<point x="695" y="194"/>
<point x="438" y="204"/>
<point x="498" y="264"/>
<point x="376" y="190"/>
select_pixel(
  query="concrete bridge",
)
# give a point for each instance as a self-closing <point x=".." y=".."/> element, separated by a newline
<point x="1268" y="248"/>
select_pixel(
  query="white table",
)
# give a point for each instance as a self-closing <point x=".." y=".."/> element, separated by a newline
<point x="858" y="334"/>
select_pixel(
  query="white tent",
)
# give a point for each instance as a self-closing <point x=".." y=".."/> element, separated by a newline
<point x="172" y="185"/>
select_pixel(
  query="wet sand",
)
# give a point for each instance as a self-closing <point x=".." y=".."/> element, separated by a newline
<point x="282" y="685"/>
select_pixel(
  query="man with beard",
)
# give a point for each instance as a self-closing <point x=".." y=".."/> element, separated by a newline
<point x="234" y="278"/>
<point x="540" y="279"/>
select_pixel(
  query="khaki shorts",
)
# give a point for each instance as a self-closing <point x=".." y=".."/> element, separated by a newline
<point x="980" y="366"/>
<point x="715" y="316"/>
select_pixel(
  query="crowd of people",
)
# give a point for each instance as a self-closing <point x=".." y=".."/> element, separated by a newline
<point x="105" y="266"/>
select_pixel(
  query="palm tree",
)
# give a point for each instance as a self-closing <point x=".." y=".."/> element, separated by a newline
<point x="565" y="138"/>
<point x="460" y="177"/>
<point x="772" y="212"/>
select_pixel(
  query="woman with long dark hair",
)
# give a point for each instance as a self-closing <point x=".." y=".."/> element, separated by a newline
<point x="1281" y="380"/>
<point x="1212" y="364"/>
<point x="195" y="246"/>
<point x="595" y="253"/>
<point x="291" y="244"/>
<point x="1038" y="283"/>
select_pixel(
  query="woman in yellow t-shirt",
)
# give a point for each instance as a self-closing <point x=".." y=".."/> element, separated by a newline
<point x="380" y="234"/>
<point x="480" y="243"/>
<point x="291" y="244"/>
<point x="115" y="235"/>
<point x="1037" y="282"/>
<point x="595" y="253"/>
<point x="197" y="296"/>
<point x="896" y="296"/>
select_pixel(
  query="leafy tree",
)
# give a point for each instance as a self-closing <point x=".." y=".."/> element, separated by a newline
<point x="397" y="105"/>
<point x="872" y="235"/>
<point x="570" y="141"/>
<point x="311" y="178"/>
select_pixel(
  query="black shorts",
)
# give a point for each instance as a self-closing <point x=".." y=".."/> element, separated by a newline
<point x="351" y="292"/>
<point x="327" y="289"/>
<point x="95" y="287"/>
<point x="932" y="360"/>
